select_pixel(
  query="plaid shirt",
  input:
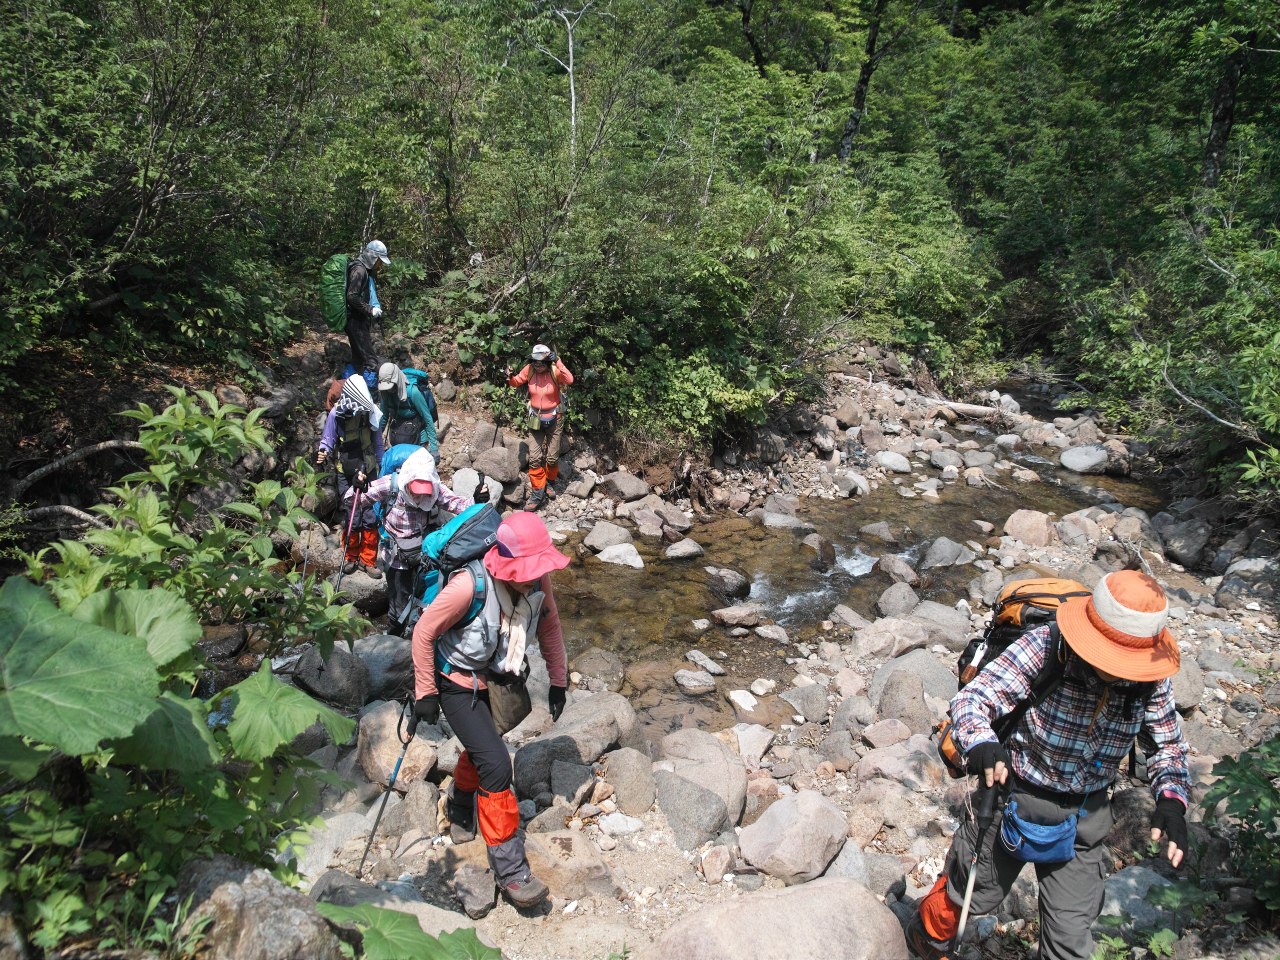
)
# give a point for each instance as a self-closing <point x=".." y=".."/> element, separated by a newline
<point x="1075" y="741"/>
<point x="404" y="520"/>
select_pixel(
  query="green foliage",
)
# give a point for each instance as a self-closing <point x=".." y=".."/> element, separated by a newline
<point x="1248" y="792"/>
<point x="390" y="935"/>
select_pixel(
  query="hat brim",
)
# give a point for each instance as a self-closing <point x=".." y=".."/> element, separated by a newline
<point x="1157" y="662"/>
<point x="386" y="260"/>
<point x="522" y="569"/>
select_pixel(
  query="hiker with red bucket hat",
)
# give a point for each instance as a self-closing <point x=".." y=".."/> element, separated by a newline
<point x="1115" y="660"/>
<point x="455" y="661"/>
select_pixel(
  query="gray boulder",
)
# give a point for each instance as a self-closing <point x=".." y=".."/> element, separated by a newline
<point x="796" y="838"/>
<point x="946" y="553"/>
<point x="946" y="625"/>
<point x="851" y="484"/>
<point x="902" y="698"/>
<point x="694" y="813"/>
<point x="730" y="583"/>
<point x="1185" y="542"/>
<point x="1031" y="527"/>
<point x="630" y="773"/>
<point x="389" y="661"/>
<point x="623" y="555"/>
<point x="898" y="601"/>
<point x="897" y="569"/>
<point x="770" y="446"/>
<point x="943" y="458"/>
<point x="605" y="534"/>
<point x="787" y="521"/>
<point x="938" y="678"/>
<point x="1188" y="685"/>
<point x="342" y="681"/>
<point x="705" y="760"/>
<point x="913" y="763"/>
<point x="1090" y="458"/>
<point x="378" y="747"/>
<point x="588" y="727"/>
<point x="810" y="701"/>
<point x="890" y="637"/>
<point x="1125" y="896"/>
<point x="683" y="550"/>
<point x="893" y="462"/>
<point x="500" y="463"/>
<point x="624" y="486"/>
<point x="368" y="595"/>
<point x="1254" y="578"/>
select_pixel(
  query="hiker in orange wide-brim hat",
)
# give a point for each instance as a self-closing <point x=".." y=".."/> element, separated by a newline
<point x="1120" y="630"/>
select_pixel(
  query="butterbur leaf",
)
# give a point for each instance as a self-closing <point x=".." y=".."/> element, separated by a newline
<point x="20" y="760"/>
<point x="268" y="714"/>
<point x="68" y="683"/>
<point x="391" y="935"/>
<point x="174" y="737"/>
<point x="163" y="619"/>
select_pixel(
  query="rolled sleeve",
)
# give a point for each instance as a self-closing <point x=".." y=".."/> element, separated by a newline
<point x="1162" y="741"/>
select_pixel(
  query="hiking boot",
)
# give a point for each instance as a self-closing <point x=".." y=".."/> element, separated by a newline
<point x="524" y="893"/>
<point x="515" y="879"/>
<point x="460" y="808"/>
<point x="373" y="572"/>
<point x="350" y="566"/>
<point x="922" y="945"/>
<point x="537" y="498"/>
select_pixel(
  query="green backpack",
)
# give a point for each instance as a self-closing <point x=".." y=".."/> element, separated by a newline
<point x="333" y="292"/>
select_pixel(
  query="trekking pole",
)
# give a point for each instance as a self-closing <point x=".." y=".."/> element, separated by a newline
<point x="985" y="816"/>
<point x="346" y="540"/>
<point x="395" y="772"/>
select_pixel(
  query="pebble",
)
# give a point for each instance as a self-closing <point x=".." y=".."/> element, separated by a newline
<point x="762" y="688"/>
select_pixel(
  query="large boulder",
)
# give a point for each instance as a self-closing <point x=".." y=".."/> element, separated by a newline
<point x="832" y="917"/>
<point x="946" y="625"/>
<point x="1185" y="542"/>
<point x="389" y="661"/>
<point x="694" y="813"/>
<point x="706" y="760"/>
<point x="946" y="553"/>
<point x="623" y="555"/>
<point x="624" y="486"/>
<point x="500" y="463"/>
<point x="1090" y="458"/>
<point x="630" y="773"/>
<point x="795" y="838"/>
<point x="730" y="583"/>
<point x="605" y="534"/>
<point x="570" y="865"/>
<point x="893" y="462"/>
<point x="1254" y="578"/>
<point x="938" y="678"/>
<point x="898" y="601"/>
<point x="378" y="747"/>
<point x="770" y="445"/>
<point x="897" y="569"/>
<point x="1031" y="527"/>
<point x="366" y="594"/>
<point x="914" y="763"/>
<point x="902" y="698"/>
<point x="345" y="890"/>
<point x="588" y="727"/>
<point x="890" y="637"/>
<point x="343" y="680"/>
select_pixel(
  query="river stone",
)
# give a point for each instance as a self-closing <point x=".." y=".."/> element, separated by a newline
<point x="946" y="553"/>
<point x="1254" y="578"/>
<point x="1089" y="458"/>
<point x="850" y="483"/>
<point x="389" y="661"/>
<point x="902" y="698"/>
<point x="570" y="864"/>
<point x="848" y="413"/>
<point x="754" y="741"/>
<point x="853" y="714"/>
<point x="781" y="503"/>
<point x="943" y="458"/>
<point x="850" y="618"/>
<point x="695" y="682"/>
<point x="673" y="517"/>
<point x="683" y="550"/>
<point x="832" y="917"/>
<point x="824" y="552"/>
<point x="378" y="747"/>
<point x="731" y="583"/>
<point x="605" y="534"/>
<point x="1188" y="685"/>
<point x="978" y="458"/>
<point x="252" y="914"/>
<point x="897" y="569"/>
<point x="602" y="665"/>
<point x="498" y="462"/>
<point x="648" y="523"/>
<point x="893" y="462"/>
<point x="890" y="637"/>
<point x="695" y="814"/>
<point x="1031" y="527"/>
<point x="417" y="809"/>
<point x="700" y="659"/>
<point x="773" y="633"/>
<point x="366" y="594"/>
<point x="785" y="521"/>
<point x="946" y="625"/>
<point x="622" y="554"/>
<point x="898" y="601"/>
<point x="742" y="615"/>
<point x="810" y="701"/>
<point x="1185" y="542"/>
<point x="345" y="890"/>
<point x="586" y="729"/>
<point x="796" y="838"/>
<point x="630" y="773"/>
<point x="623" y="486"/>
<point x="937" y="677"/>
<point x="707" y="761"/>
<point x="913" y="763"/>
<point x="1125" y="896"/>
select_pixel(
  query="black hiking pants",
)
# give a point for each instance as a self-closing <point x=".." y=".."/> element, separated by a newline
<point x="364" y="356"/>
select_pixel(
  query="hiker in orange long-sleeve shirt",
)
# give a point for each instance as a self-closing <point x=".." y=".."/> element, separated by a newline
<point x="545" y="374"/>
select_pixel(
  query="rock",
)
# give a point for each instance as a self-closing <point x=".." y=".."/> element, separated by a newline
<point x="795" y="838"/>
<point x="1185" y="542"/>
<point x="978" y="458"/>
<point x="622" y="554"/>
<point x="586" y="729"/>
<point x="890" y="637"/>
<point x="570" y="865"/>
<point x="378" y="747"/>
<point x="946" y="625"/>
<point x="754" y="741"/>
<point x="1031" y="527"/>
<point x="706" y="663"/>
<point x="833" y="918"/>
<point x="850" y="483"/>
<point x="886" y="733"/>
<point x="1125" y="896"/>
<point x="1210" y="741"/>
<point x="897" y="569"/>
<point x="630" y="773"/>
<point x="1188" y="685"/>
<point x="251" y="914"/>
<point x="474" y="888"/>
<point x="389" y="661"/>
<point x="581" y="488"/>
<point x="730" y="583"/>
<point x="326" y="837"/>
<point x="770" y="446"/>
<point x="939" y="678"/>
<point x="1090" y="458"/>
<point x="464" y="481"/>
<point x="898" y="601"/>
<point x="809" y="701"/>
<point x="880" y="530"/>
<point x="223" y="641"/>
<point x="885" y="873"/>
<point x="417" y="809"/>
<point x="623" y="486"/>
<point x="367" y="594"/>
<point x="695" y="682"/>
<point x="842" y="614"/>
<point x="893" y="462"/>
<point x="786" y="521"/>
<point x="742" y="615"/>
<point x="773" y="633"/>
<point x="705" y="760"/>
<point x="824" y="551"/>
<point x="605" y="534"/>
<point x="717" y="862"/>
<point x="695" y="814"/>
<point x="1254" y="578"/>
<point x="683" y="550"/>
<point x="499" y="463"/>
<point x="902" y="698"/>
<point x="943" y="458"/>
<point x="848" y="414"/>
<point x="571" y="782"/>
<point x="946" y="553"/>
<point x="673" y="517"/>
<point x="345" y="890"/>
<point x="619" y="825"/>
<point x="913" y="763"/>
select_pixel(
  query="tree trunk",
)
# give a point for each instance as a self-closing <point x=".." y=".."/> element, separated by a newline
<point x="757" y="55"/>
<point x="1224" y="112"/>
<point x="853" y="126"/>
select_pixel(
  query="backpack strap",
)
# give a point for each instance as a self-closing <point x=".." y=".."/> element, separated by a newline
<point x="1047" y="680"/>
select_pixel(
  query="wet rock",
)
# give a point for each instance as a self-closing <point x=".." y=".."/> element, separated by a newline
<point x="705" y="760"/>
<point x="623" y="555"/>
<point x="898" y="601"/>
<point x="623" y="486"/>
<point x="796" y="838"/>
<point x="706" y="663"/>
<point x="824" y="552"/>
<point x="833" y="918"/>
<point x="742" y="615"/>
<point x="602" y="665"/>
<point x="851" y="484"/>
<point x="946" y="553"/>
<point x="570" y="865"/>
<point x="499" y="463"/>
<point x="222" y="641"/>
<point x="630" y="773"/>
<point x="809" y="701"/>
<point x="728" y="582"/>
<point x="683" y="550"/>
<point x="695" y="682"/>
<point x="250" y="913"/>
<point x="586" y="729"/>
<point x="893" y="462"/>
<point x="880" y="530"/>
<point x="785" y="521"/>
<point x="1031" y="527"/>
<point x="378" y="747"/>
<point x="902" y="698"/>
<point x="694" y="813"/>
<point x="389" y="661"/>
<point x="1090" y="458"/>
<point x="605" y="534"/>
<point x="897" y="569"/>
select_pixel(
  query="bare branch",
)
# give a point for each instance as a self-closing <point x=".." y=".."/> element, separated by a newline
<point x="1242" y="429"/>
<point x="74" y="457"/>
<point x="62" y="510"/>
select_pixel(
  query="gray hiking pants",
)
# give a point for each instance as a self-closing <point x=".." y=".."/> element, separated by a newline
<point x="1070" y="893"/>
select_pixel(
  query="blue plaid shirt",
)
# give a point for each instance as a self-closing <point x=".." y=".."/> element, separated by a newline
<point x="1075" y="741"/>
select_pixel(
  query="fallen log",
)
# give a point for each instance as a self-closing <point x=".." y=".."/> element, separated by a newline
<point x="79" y="517"/>
<point x="970" y="409"/>
<point x="74" y="457"/>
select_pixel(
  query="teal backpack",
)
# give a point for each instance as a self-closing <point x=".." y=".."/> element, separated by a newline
<point x="461" y="542"/>
<point x="333" y="292"/>
<point x="419" y="379"/>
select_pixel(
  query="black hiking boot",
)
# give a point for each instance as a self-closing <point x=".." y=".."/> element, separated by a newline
<point x="515" y="879"/>
<point x="922" y="945"/>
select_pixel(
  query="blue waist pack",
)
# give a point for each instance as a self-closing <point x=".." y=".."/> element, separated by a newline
<point x="1036" y="842"/>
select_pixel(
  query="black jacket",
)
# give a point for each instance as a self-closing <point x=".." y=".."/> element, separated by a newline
<point x="358" y="291"/>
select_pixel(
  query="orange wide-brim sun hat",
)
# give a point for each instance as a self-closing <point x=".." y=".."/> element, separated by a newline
<point x="1121" y="628"/>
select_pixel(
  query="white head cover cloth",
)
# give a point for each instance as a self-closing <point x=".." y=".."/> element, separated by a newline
<point x="357" y="391"/>
<point x="420" y="466"/>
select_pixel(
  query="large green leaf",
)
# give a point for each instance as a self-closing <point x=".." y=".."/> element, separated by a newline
<point x="174" y="737"/>
<point x="64" y="682"/>
<point x="163" y="619"/>
<point x="269" y="713"/>
<point x="20" y="760"/>
<point x="391" y="935"/>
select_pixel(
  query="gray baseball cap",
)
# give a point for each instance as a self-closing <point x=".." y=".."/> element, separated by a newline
<point x="376" y="248"/>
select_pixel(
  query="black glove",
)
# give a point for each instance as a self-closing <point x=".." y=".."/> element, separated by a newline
<point x="555" y="701"/>
<point x="1170" y="819"/>
<point x="984" y="756"/>
<point x="427" y="709"/>
<point x="360" y="481"/>
<point x="482" y="491"/>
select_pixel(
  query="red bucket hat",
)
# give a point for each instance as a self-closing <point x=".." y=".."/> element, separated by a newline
<point x="1121" y="628"/>
<point x="524" y="550"/>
